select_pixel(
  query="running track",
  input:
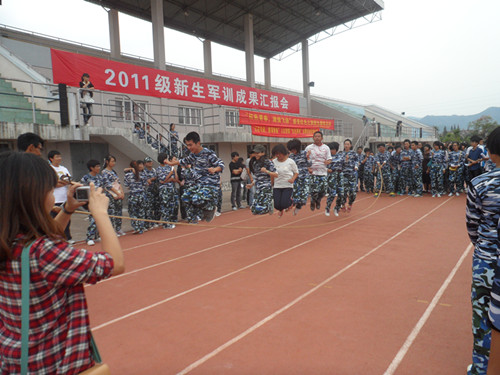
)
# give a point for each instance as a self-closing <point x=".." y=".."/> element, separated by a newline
<point x="383" y="290"/>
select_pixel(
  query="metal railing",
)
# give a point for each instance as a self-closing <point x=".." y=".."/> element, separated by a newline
<point x="42" y="97"/>
<point x="150" y="115"/>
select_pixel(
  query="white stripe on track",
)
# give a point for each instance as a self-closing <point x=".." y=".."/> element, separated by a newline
<point x="238" y="270"/>
<point x="298" y="299"/>
<point x="196" y="252"/>
<point x="418" y="327"/>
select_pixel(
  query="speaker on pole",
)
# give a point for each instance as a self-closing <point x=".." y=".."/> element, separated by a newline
<point x="63" y="104"/>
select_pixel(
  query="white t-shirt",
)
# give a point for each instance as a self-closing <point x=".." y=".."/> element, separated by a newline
<point x="286" y="169"/>
<point x="318" y="156"/>
<point x="60" y="193"/>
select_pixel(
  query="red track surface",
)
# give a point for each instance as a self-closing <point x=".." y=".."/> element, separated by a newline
<point x="336" y="296"/>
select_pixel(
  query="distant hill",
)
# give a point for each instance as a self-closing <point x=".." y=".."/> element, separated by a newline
<point x="461" y="121"/>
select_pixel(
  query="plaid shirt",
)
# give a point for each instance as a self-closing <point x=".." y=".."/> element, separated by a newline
<point x="59" y="335"/>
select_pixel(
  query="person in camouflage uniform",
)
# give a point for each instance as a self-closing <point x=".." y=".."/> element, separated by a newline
<point x="482" y="219"/>
<point x="361" y="168"/>
<point x="301" y="185"/>
<point x="395" y="164"/>
<point x="263" y="170"/>
<point x="416" y="166"/>
<point x="383" y="171"/>
<point x="136" y="181"/>
<point x="201" y="197"/>
<point x="319" y="154"/>
<point x="169" y="197"/>
<point x="368" y="172"/>
<point x="455" y="163"/>
<point x="151" y="202"/>
<point x="406" y="168"/>
<point x="94" y="168"/>
<point x="437" y="168"/>
<point x="335" y="179"/>
<point x="114" y="191"/>
<point x="350" y="181"/>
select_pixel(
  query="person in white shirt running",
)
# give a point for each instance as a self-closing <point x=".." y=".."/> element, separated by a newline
<point x="283" y="184"/>
<point x="319" y="155"/>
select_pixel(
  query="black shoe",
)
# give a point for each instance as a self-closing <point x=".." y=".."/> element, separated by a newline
<point x="313" y="204"/>
<point x="208" y="215"/>
<point x="318" y="204"/>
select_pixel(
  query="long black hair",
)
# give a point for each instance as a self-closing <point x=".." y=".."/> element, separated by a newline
<point x="26" y="180"/>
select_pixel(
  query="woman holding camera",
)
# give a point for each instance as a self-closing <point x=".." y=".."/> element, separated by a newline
<point x="59" y="331"/>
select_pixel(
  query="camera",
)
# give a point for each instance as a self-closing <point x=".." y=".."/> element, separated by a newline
<point x="82" y="193"/>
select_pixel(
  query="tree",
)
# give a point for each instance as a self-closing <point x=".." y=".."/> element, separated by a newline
<point x="482" y="126"/>
<point x="456" y="135"/>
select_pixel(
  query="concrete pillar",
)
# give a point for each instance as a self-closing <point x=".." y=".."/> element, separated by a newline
<point x="305" y="74"/>
<point x="249" y="50"/>
<point x="114" y="34"/>
<point x="158" y="33"/>
<point x="207" y="57"/>
<point x="267" y="73"/>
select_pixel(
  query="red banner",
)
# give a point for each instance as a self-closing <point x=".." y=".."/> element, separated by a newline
<point x="273" y="125"/>
<point x="114" y="76"/>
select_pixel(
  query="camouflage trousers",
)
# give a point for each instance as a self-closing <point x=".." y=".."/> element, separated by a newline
<point x="92" y="232"/>
<point x="150" y="207"/>
<point x="335" y="189"/>
<point x="136" y="209"/>
<point x="483" y="273"/>
<point x="396" y="180"/>
<point x="262" y="201"/>
<point x="318" y="187"/>
<point x="384" y="176"/>
<point x="417" y="186"/>
<point x="437" y="177"/>
<point x="301" y="188"/>
<point x="349" y="189"/>
<point x="219" y="199"/>
<point x="406" y="179"/>
<point x="198" y="198"/>
<point x="368" y="177"/>
<point x="169" y="204"/>
<point x="115" y="208"/>
<point x="454" y="181"/>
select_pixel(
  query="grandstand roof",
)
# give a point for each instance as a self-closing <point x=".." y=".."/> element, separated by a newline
<point x="278" y="24"/>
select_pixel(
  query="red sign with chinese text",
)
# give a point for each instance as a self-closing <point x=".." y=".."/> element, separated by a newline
<point x="274" y="125"/>
<point x="108" y="75"/>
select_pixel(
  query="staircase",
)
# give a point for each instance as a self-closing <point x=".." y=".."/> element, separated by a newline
<point x="16" y="108"/>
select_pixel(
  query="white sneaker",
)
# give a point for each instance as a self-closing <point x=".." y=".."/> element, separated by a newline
<point x="71" y="242"/>
<point x="433" y="195"/>
<point x="336" y="212"/>
<point x="457" y="194"/>
<point x="235" y="208"/>
<point x="217" y="213"/>
<point x="90" y="243"/>
<point x="450" y="195"/>
<point x="327" y="213"/>
<point x="439" y="195"/>
<point x="296" y="211"/>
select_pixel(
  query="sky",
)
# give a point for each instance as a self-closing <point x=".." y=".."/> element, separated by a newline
<point x="425" y="57"/>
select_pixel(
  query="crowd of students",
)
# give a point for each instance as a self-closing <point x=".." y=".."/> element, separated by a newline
<point x="283" y="182"/>
<point x="288" y="180"/>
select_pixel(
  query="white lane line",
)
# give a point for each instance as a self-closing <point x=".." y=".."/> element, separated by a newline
<point x="197" y="252"/>
<point x="298" y="299"/>
<point x="236" y="271"/>
<point x="418" y="327"/>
